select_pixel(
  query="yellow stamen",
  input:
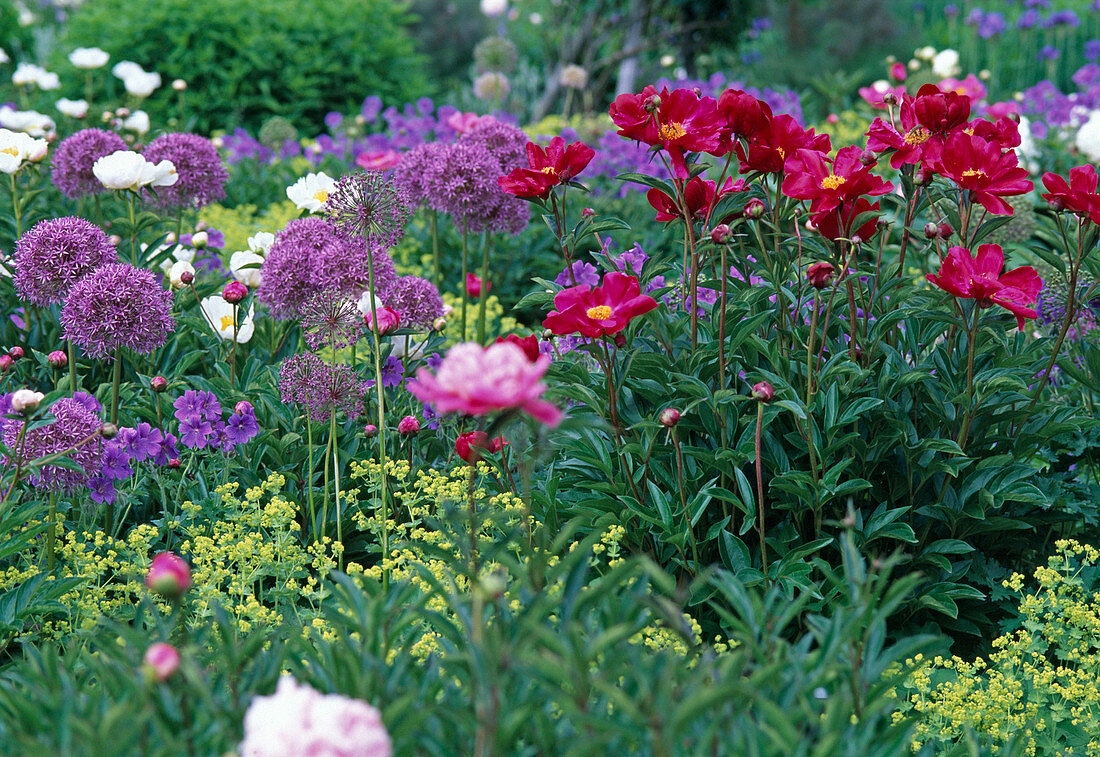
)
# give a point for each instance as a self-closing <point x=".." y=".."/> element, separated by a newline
<point x="227" y="323"/>
<point x="832" y="181"/>
<point x="599" y="313"/>
<point x="672" y="131"/>
<point x="782" y="152"/>
<point x="321" y="196"/>
<point x="918" y="136"/>
<point x="10" y="151"/>
<point x="973" y="172"/>
<point x="549" y="170"/>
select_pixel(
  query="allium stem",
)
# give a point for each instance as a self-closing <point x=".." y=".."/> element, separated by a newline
<point x="51" y="532"/>
<point x="309" y="476"/>
<point x="462" y="283"/>
<point x="324" y="463"/>
<point x="116" y="381"/>
<point x="484" y="290"/>
<point x="434" y="218"/>
<point x="383" y="511"/>
<point x="74" y="378"/>
<point x="336" y="484"/>
<point x="131" y="200"/>
<point x="15" y="208"/>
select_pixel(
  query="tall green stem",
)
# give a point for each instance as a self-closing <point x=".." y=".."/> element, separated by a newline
<point x="309" y="476"/>
<point x="760" y="488"/>
<point x="973" y="339"/>
<point x="383" y="510"/>
<point x="434" y="217"/>
<point x="15" y="208"/>
<point x="462" y="284"/>
<point x="74" y="378"/>
<point x="116" y="381"/>
<point x="336" y="483"/>
<point x="51" y="532"/>
<point x="131" y="201"/>
<point x="483" y="298"/>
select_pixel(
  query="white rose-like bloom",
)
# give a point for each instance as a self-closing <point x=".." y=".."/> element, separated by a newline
<point x="219" y="314"/>
<point x="30" y="121"/>
<point x="925" y="53"/>
<point x="176" y="271"/>
<point x="124" y="69"/>
<point x="245" y="267"/>
<point x="1088" y="137"/>
<point x="125" y="169"/>
<point x="297" y="720"/>
<point x="26" y="399"/>
<point x="141" y="84"/>
<point x="311" y="191"/>
<point x="946" y="63"/>
<point x="138" y="121"/>
<point x="47" y="81"/>
<point x="261" y="242"/>
<point x="493" y="8"/>
<point x="88" y="58"/>
<point x="72" y="108"/>
<point x="17" y="148"/>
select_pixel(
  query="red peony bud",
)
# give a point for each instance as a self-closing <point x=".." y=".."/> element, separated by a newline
<point x="468" y="444"/>
<point x="820" y="274"/>
<point x="108" y="431"/>
<point x="158" y="383"/>
<point x="931" y="230"/>
<point x="57" y="359"/>
<point x="234" y="292"/>
<point x="473" y="286"/>
<point x="370" y="430"/>
<point x="763" y="392"/>
<point x="721" y="234"/>
<point x="174" y="463"/>
<point x="529" y="344"/>
<point x="5" y="363"/>
<point x="187" y="277"/>
<point x="408" y="426"/>
<point x="15" y="353"/>
<point x="945" y="230"/>
<point x="161" y="661"/>
<point x="588" y="213"/>
<point x="755" y="208"/>
<point x="244" y="406"/>
<point x="670" y="416"/>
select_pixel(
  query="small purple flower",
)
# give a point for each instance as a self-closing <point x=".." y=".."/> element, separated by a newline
<point x="88" y="402"/>
<point x="101" y="489"/>
<point x="991" y="25"/>
<point x="167" y="450"/>
<point x="142" y="442"/>
<point x="115" y="462"/>
<point x="583" y="273"/>
<point x="197" y="405"/>
<point x="242" y="426"/>
<point x="1028" y="19"/>
<point x="1049" y="52"/>
<point x="333" y="120"/>
<point x="1092" y="49"/>
<point x="372" y="106"/>
<point x="194" y="432"/>
<point x="433" y="361"/>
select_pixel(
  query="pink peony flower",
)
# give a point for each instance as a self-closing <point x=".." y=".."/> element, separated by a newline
<point x="168" y="575"/>
<point x="298" y="721"/>
<point x="161" y="661"/>
<point x="478" y="380"/>
<point x="377" y="160"/>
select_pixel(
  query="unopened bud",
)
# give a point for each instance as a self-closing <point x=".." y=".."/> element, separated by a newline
<point x="493" y="585"/>
<point x="199" y="240"/>
<point x="370" y="430"/>
<point x="179" y="85"/>
<point x="619" y="340"/>
<point x="890" y="98"/>
<point x="931" y="230"/>
<point x="244" y="406"/>
<point x="5" y="363"/>
<point x="670" y="416"/>
<point x="820" y="274"/>
<point x="107" y="116"/>
<point x="158" y="383"/>
<point x="170" y="237"/>
<point x="868" y="158"/>
<point x="408" y="426"/>
<point x="652" y="103"/>
<point x="1057" y="204"/>
<point x="721" y="234"/>
<point x="924" y="176"/>
<point x="108" y="431"/>
<point x="945" y="230"/>
<point x="174" y="463"/>
<point x="26" y="401"/>
<point x="123" y="112"/>
<point x="234" y="292"/>
<point x="763" y="392"/>
<point x="754" y="208"/>
<point x="57" y="359"/>
<point x="15" y="353"/>
<point x="114" y="239"/>
<point x="547" y="335"/>
<point x="439" y="324"/>
<point x="187" y="277"/>
<point x="588" y="213"/>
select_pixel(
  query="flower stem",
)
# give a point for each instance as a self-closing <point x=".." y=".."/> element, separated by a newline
<point x="810" y="349"/>
<point x="116" y="381"/>
<point x="324" y="463"/>
<point x="309" y="476"/>
<point x="51" y="532"/>
<point x="434" y="217"/>
<point x="74" y="378"/>
<point x="484" y="290"/>
<point x="462" y="284"/>
<point x="382" y="512"/>
<point x="131" y="200"/>
<point x="969" y="417"/>
<point x="15" y="208"/>
<point x="760" y="489"/>
<point x="336" y="483"/>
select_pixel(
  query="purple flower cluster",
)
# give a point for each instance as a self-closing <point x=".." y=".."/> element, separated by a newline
<point x="201" y="425"/>
<point x="311" y="256"/>
<point x="55" y="254"/>
<point x="417" y="301"/>
<point x="1048" y="107"/>
<point x="74" y="434"/>
<point x="117" y="306"/>
<point x="132" y="445"/>
<point x="73" y="159"/>
<point x="330" y="319"/>
<point x="202" y="176"/>
<point x="319" y="388"/>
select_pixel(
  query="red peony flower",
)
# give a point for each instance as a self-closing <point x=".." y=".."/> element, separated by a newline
<point x="820" y="274"/>
<point x="1077" y="196"/>
<point x="926" y="121"/>
<point x="474" y="286"/>
<point x="769" y="150"/>
<point x="596" y="311"/>
<point x="529" y="344"/>
<point x="940" y="112"/>
<point x="744" y="115"/>
<point x="701" y="196"/>
<point x="982" y="169"/>
<point x="548" y="168"/>
<point x="679" y="121"/>
<point x="810" y="177"/>
<point x="1004" y="132"/>
<point x="837" y="223"/>
<point x="980" y="279"/>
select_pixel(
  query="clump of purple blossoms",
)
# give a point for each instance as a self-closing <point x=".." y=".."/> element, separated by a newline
<point x="202" y="176"/>
<point x="201" y="425"/>
<point x="74" y="431"/>
<point x="417" y="300"/>
<point x="118" y="306"/>
<point x="55" y="254"/>
<point x="311" y="256"/>
<point x="132" y="445"/>
<point x="319" y="388"/>
<point x="393" y="373"/>
<point x="506" y="143"/>
<point x="410" y="175"/>
<point x="461" y="181"/>
<point x="330" y="319"/>
<point x="370" y="205"/>
<point x="73" y="160"/>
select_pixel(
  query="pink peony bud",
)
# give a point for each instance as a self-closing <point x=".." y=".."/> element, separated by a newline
<point x="670" y="416"/>
<point x="468" y="444"/>
<point x="168" y="576"/>
<point x="408" y="426"/>
<point x="652" y="104"/>
<point x="473" y="286"/>
<point x="57" y="359"/>
<point x="931" y="230"/>
<point x="820" y="274"/>
<point x="242" y="407"/>
<point x="161" y="661"/>
<point x="108" y="431"/>
<point x="754" y="208"/>
<point x="5" y="363"/>
<point x="187" y="277"/>
<point x="763" y="392"/>
<point x="15" y="353"/>
<point x="898" y="71"/>
<point x="370" y="430"/>
<point x="890" y="98"/>
<point x="588" y="213"/>
<point x="158" y="383"/>
<point x="720" y="234"/>
<point x="388" y="319"/>
<point x="174" y="463"/>
<point x="234" y="292"/>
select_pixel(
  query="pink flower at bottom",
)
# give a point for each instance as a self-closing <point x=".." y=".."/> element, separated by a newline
<point x="162" y="660"/>
<point x="299" y="721"/>
<point x="478" y="380"/>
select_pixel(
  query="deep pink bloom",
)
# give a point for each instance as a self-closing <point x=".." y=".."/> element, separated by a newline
<point x="809" y="176"/>
<point x="771" y="148"/>
<point x="837" y="223"/>
<point x="820" y="274"/>
<point x="377" y="160"/>
<point x="529" y="344"/>
<point x="388" y="319"/>
<point x="875" y="96"/>
<point x="596" y="311"/>
<point x="1078" y="195"/>
<point x="478" y="380"/>
<point x="701" y="195"/>
<point x="971" y="87"/>
<point x="557" y="164"/>
<point x="980" y="279"/>
<point x="898" y="72"/>
<point x="168" y="575"/>
<point x="161" y="661"/>
<point x="234" y="292"/>
<point x="926" y="122"/>
<point x="679" y="121"/>
<point x="744" y="116"/>
<point x="474" y="285"/>
<point x="984" y="170"/>
<point x="467" y="445"/>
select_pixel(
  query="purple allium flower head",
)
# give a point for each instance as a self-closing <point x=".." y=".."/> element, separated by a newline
<point x="115" y="307"/>
<point x="310" y="256"/>
<point x="506" y="143"/>
<point x="461" y="181"/>
<point x="74" y="425"/>
<point x="369" y="204"/>
<point x="319" y="388"/>
<point x="417" y="300"/>
<point x="74" y="157"/>
<point x="372" y="106"/>
<point x="54" y="254"/>
<point x="1092" y="49"/>
<point x="202" y="176"/>
<point x="242" y="426"/>
<point x="333" y="119"/>
<point x="1062" y="18"/>
<point x="991" y="25"/>
<point x="1028" y="19"/>
<point x="330" y="319"/>
<point x="410" y="175"/>
<point x="1049" y="52"/>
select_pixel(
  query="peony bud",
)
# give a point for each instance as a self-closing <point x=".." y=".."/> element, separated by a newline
<point x="186" y="277"/>
<point x="388" y="319"/>
<point x="945" y="230"/>
<point x="234" y="292"/>
<point x="754" y="208"/>
<point x="820" y="274"/>
<point x="931" y="230"/>
<point x="199" y="240"/>
<point x="174" y="463"/>
<point x="1057" y="204"/>
<point x="529" y="345"/>
<point x="652" y="104"/>
<point x="619" y="340"/>
<point x="108" y="431"/>
<point x="179" y="85"/>
<point x="168" y="576"/>
<point x="721" y="234"/>
<point x="5" y="363"/>
<point x="468" y="444"/>
<point x="408" y="426"/>
<point x="670" y="416"/>
<point x="15" y="353"/>
<point x="26" y="400"/>
<point x="890" y="98"/>
<point x="123" y="113"/>
<point x="439" y="324"/>
<point x="868" y="158"/>
<point x="473" y="286"/>
<point x="158" y="383"/>
<point x="588" y="213"/>
<point x="370" y="430"/>
<point x="57" y="359"/>
<point x="924" y="176"/>
<point x="763" y="392"/>
<point x="161" y="661"/>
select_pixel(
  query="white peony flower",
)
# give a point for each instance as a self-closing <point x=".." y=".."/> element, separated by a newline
<point x="1088" y="137"/>
<point x="311" y="191"/>
<point x="261" y="242"/>
<point x="124" y="69"/>
<point x="926" y="53"/>
<point x="88" y="58"/>
<point x="26" y="74"/>
<point x="245" y="267"/>
<point x="17" y="148"/>
<point x="30" y="121"/>
<point x="176" y="271"/>
<point x="219" y="314"/>
<point x="138" y="121"/>
<point x="48" y="81"/>
<point x="946" y="63"/>
<point x="125" y="169"/>
<point x="72" y="108"/>
<point x="141" y="84"/>
<point x="493" y="8"/>
<point x="4" y="56"/>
